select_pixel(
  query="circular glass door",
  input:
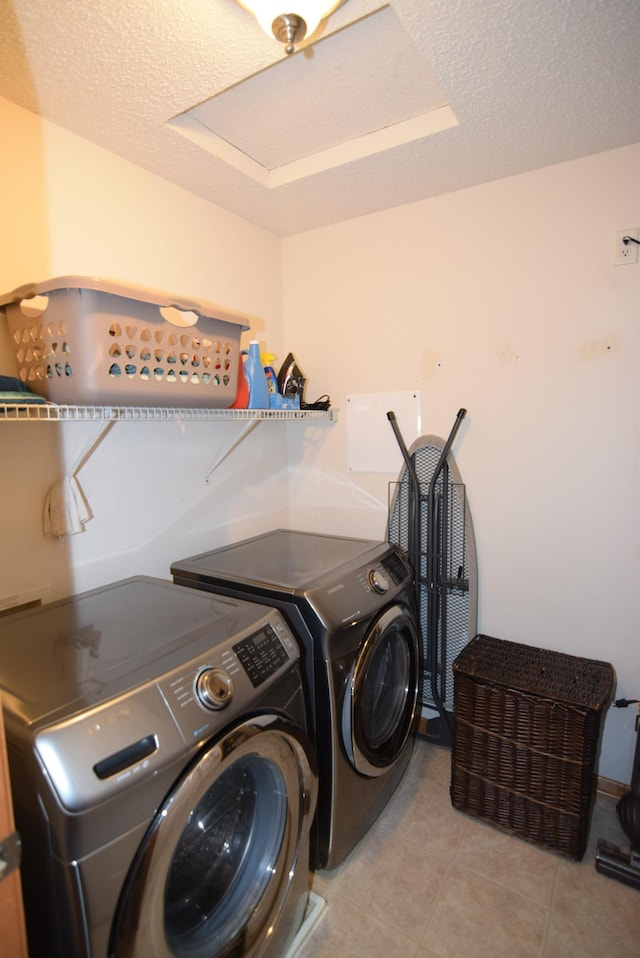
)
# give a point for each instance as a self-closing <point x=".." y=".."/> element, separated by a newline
<point x="214" y="869"/>
<point x="222" y="865"/>
<point x="381" y="698"/>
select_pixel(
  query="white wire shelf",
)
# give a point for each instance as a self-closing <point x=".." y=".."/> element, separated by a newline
<point x="43" y="412"/>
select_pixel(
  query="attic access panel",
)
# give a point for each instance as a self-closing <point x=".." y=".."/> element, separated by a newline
<point x="357" y="91"/>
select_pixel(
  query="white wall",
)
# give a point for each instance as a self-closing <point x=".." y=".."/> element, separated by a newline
<point x="501" y="299"/>
<point x="70" y="208"/>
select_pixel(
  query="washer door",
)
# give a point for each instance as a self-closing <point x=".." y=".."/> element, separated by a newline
<point x="380" y="703"/>
<point x="213" y="873"/>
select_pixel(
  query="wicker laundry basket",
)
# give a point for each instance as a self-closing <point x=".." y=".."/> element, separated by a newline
<point x="526" y="737"/>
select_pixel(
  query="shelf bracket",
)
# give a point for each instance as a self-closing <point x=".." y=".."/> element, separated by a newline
<point x="248" y="428"/>
<point x="66" y="510"/>
<point x="90" y="448"/>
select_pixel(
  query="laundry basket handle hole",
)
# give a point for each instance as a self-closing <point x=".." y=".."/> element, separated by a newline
<point x="178" y="317"/>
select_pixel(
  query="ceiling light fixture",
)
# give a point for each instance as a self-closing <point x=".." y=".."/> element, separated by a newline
<point x="290" y="27"/>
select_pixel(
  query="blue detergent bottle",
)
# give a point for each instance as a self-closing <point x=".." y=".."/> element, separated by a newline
<point x="256" y="378"/>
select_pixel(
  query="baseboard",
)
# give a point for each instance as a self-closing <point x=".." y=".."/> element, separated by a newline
<point x="611" y="788"/>
<point x="607" y="786"/>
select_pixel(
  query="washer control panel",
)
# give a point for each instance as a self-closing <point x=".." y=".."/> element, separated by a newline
<point x="261" y="654"/>
<point x="222" y="683"/>
<point x="214" y="688"/>
<point x="92" y="755"/>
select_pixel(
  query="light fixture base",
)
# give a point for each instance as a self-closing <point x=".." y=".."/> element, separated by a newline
<point x="289" y="28"/>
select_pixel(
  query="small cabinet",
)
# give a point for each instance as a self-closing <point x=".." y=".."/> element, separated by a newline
<point x="12" y="928"/>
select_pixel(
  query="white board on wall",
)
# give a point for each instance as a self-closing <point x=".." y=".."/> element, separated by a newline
<point x="371" y="443"/>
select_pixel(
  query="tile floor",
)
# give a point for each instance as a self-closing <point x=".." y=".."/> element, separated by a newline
<point x="431" y="882"/>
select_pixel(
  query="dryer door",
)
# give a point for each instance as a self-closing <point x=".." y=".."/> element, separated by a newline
<point x="218" y="868"/>
<point x="380" y="704"/>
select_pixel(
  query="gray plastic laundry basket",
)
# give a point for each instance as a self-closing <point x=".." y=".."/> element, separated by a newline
<point x="80" y="340"/>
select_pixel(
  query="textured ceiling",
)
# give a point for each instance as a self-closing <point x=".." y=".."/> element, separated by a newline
<point x="388" y="104"/>
<point x="305" y="105"/>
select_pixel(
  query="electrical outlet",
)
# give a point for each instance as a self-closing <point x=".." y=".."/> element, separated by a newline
<point x="626" y="252"/>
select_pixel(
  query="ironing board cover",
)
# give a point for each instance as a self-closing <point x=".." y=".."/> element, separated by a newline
<point x="459" y="566"/>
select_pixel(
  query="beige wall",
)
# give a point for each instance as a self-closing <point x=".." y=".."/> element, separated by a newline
<point x="70" y="208"/>
<point x="501" y="299"/>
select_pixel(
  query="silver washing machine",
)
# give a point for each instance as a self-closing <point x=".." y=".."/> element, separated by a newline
<point x="351" y="604"/>
<point x="163" y="779"/>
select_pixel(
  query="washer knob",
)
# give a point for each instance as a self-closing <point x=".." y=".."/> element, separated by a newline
<point x="214" y="688"/>
<point x="377" y="581"/>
